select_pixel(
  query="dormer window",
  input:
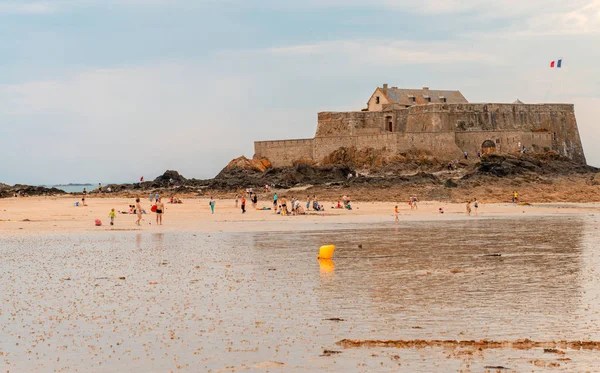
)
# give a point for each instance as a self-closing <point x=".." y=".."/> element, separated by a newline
<point x="377" y="99"/>
<point x="442" y="99"/>
<point x="412" y="98"/>
<point x="427" y="98"/>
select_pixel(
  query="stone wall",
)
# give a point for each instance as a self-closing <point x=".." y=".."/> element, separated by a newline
<point x="557" y="120"/>
<point x="283" y="152"/>
<point x="504" y="141"/>
<point x="443" y="129"/>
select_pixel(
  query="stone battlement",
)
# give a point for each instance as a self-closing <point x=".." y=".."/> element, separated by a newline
<point x="444" y="129"/>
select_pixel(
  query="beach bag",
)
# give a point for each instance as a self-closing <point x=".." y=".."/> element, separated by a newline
<point x="153" y="208"/>
<point x="98" y="222"/>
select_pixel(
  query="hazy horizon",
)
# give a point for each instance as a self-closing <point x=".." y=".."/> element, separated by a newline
<point x="113" y="90"/>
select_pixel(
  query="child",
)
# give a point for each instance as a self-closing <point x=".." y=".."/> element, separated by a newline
<point x="476" y="205"/>
<point x="396" y="213"/>
<point x="111" y="215"/>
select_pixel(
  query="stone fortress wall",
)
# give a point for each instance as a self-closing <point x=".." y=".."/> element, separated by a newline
<point x="445" y="130"/>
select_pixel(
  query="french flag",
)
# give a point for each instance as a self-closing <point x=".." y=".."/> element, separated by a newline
<point x="558" y="63"/>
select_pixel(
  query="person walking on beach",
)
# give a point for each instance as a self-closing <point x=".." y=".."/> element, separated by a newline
<point x="476" y="206"/>
<point x="396" y="214"/>
<point x="100" y="188"/>
<point x="151" y="197"/>
<point x="469" y="208"/>
<point x="138" y="211"/>
<point x="275" y="202"/>
<point x="157" y="197"/>
<point x="160" y="210"/>
<point x="84" y="194"/>
<point x="212" y="205"/>
<point x="254" y="200"/>
<point x="243" y="205"/>
<point x="237" y="197"/>
<point x="111" y="215"/>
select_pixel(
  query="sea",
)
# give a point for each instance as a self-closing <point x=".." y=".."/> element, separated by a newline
<point x="74" y="188"/>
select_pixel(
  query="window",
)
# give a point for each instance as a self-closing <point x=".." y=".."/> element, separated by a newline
<point x="497" y="141"/>
<point x="377" y="99"/>
<point x="427" y="98"/>
<point x="442" y="99"/>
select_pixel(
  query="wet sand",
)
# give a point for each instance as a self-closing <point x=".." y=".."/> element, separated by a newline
<point x="234" y="294"/>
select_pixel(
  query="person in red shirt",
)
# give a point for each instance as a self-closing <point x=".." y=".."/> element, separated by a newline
<point x="243" y="205"/>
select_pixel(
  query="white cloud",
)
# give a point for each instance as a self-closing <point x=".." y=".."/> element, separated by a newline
<point x="33" y="7"/>
<point x="386" y="53"/>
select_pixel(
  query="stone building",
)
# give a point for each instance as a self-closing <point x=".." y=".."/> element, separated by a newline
<point x="439" y="121"/>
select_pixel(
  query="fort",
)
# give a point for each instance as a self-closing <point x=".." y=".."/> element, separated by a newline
<point x="442" y="123"/>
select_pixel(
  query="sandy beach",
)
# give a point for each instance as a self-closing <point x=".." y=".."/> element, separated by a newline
<point x="515" y="289"/>
<point x="59" y="215"/>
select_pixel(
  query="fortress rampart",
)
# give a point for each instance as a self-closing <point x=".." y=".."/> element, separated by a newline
<point x="445" y="130"/>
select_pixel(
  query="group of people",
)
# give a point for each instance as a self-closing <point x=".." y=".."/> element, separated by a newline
<point x="475" y="206"/>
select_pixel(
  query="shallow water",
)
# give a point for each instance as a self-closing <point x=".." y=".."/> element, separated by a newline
<point x="249" y="301"/>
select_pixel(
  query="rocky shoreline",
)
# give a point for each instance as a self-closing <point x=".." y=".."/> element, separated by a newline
<point x="371" y="176"/>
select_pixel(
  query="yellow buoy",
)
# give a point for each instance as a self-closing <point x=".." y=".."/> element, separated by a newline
<point x="326" y="252"/>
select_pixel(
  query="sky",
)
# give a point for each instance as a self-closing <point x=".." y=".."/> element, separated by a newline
<point x="110" y="90"/>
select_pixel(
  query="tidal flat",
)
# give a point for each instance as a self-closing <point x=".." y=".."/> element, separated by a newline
<point x="261" y="301"/>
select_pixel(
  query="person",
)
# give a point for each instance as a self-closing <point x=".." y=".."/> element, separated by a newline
<point x="308" y="202"/>
<point x="250" y="190"/>
<point x="254" y="200"/>
<point x="138" y="211"/>
<point x="284" y="210"/>
<point x="266" y="188"/>
<point x="160" y="210"/>
<point x="99" y="188"/>
<point x="111" y="215"/>
<point x="476" y="206"/>
<point x="275" y="202"/>
<point x="243" y="205"/>
<point x="413" y="203"/>
<point x="157" y="197"/>
<point x="469" y="208"/>
<point x="151" y="197"/>
<point x="141" y="179"/>
<point x="212" y="205"/>
<point x="515" y="198"/>
<point x="84" y="194"/>
<point x="396" y="214"/>
<point x="339" y="205"/>
<point x="466" y="155"/>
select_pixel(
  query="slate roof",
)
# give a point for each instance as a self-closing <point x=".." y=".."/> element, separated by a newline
<point x="404" y="96"/>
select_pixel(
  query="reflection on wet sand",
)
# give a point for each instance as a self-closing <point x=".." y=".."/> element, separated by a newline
<point x="261" y="301"/>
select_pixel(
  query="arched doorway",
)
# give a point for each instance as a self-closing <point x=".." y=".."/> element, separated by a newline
<point x="488" y="147"/>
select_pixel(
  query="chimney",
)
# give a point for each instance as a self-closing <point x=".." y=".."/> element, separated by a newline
<point x="426" y="88"/>
<point x="385" y="86"/>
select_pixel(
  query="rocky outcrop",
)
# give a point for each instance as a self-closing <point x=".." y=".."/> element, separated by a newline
<point x="27" y="190"/>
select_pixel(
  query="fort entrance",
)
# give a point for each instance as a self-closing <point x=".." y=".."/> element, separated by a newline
<point x="488" y="147"/>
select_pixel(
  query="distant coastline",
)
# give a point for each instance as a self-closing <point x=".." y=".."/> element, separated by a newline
<point x="72" y="185"/>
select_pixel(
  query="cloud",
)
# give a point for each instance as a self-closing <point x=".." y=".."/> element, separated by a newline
<point x="35" y="7"/>
<point x="386" y="53"/>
